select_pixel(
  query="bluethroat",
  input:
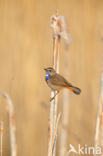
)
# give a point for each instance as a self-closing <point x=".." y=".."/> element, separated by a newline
<point x="57" y="82"/>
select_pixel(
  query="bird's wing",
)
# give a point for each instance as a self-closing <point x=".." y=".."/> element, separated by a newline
<point x="59" y="80"/>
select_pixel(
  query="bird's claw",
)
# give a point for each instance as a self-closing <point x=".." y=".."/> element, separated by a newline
<point x="51" y="99"/>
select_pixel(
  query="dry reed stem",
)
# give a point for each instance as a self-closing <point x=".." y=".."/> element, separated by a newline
<point x="53" y="103"/>
<point x="52" y="106"/>
<point x="99" y="122"/>
<point x="63" y="132"/>
<point x="58" y="29"/>
<point x="56" y="98"/>
<point x="55" y="131"/>
<point x="51" y="125"/>
<point x="65" y="103"/>
<point x="65" y="110"/>
<point x="57" y="70"/>
<point x="1" y="137"/>
<point x="11" y="123"/>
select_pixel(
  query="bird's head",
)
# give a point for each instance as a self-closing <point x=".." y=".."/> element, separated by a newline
<point x="50" y="71"/>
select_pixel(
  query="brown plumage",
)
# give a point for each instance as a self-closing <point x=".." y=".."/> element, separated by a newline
<point x="57" y="82"/>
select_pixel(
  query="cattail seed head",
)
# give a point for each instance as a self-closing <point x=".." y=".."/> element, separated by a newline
<point x="58" y="27"/>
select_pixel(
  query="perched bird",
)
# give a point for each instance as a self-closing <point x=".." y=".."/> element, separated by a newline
<point x="57" y="82"/>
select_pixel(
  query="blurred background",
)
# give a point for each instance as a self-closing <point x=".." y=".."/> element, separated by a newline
<point x="26" y="48"/>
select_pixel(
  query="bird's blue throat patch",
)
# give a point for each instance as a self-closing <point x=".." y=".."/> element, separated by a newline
<point x="47" y="76"/>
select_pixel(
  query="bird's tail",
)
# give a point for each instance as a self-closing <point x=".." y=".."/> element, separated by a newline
<point x="74" y="89"/>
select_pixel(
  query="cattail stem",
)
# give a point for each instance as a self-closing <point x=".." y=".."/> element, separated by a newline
<point x="56" y="99"/>
<point x="51" y="125"/>
<point x="1" y="138"/>
<point x="55" y="132"/>
<point x="11" y="123"/>
<point x="99" y="122"/>
<point x="65" y="110"/>
<point x="57" y="70"/>
<point x="53" y="104"/>
<point x="58" y="28"/>
<point x="54" y="53"/>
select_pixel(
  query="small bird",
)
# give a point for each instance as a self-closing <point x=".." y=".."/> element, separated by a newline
<point x="57" y="82"/>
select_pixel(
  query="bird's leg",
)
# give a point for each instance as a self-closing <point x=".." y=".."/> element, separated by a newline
<point x="54" y="96"/>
